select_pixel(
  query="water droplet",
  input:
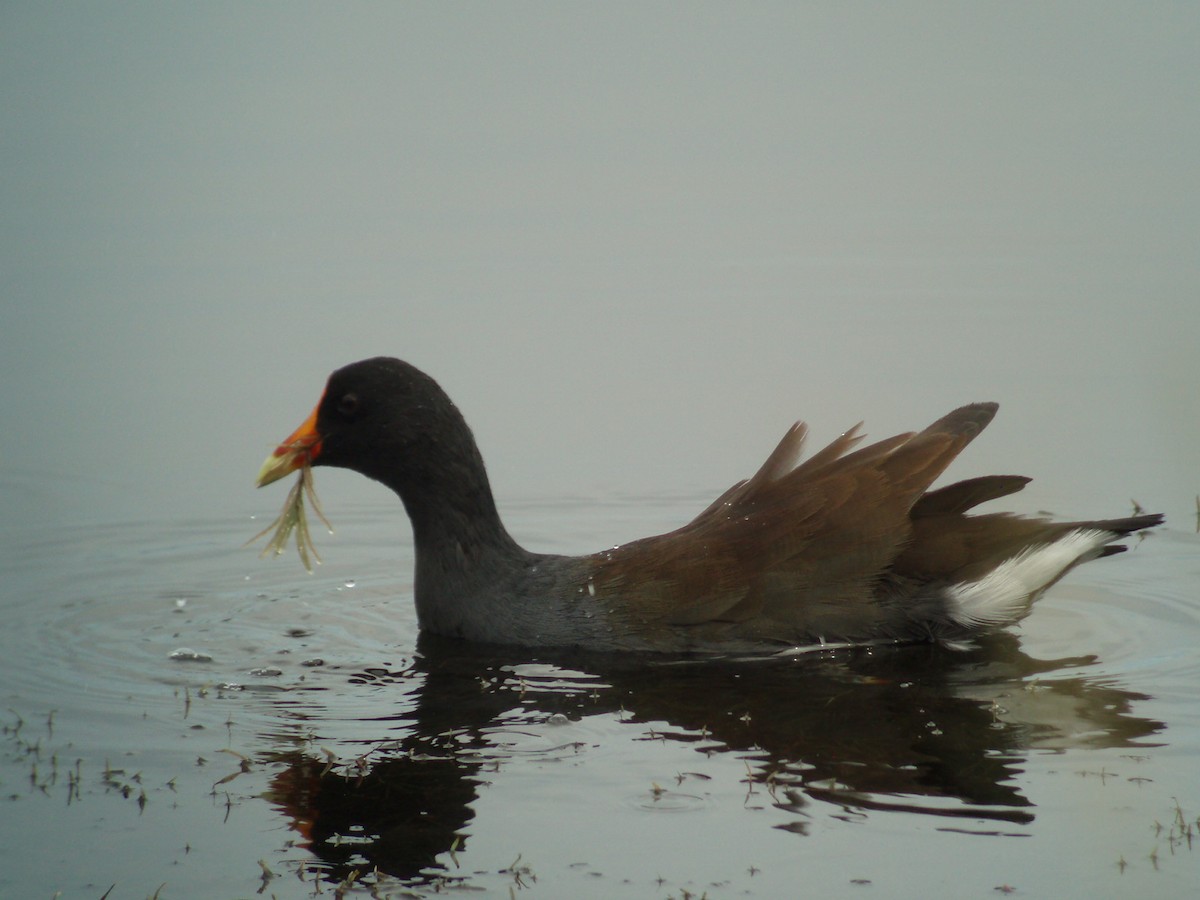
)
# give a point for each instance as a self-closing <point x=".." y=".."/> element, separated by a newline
<point x="187" y="654"/>
<point x="350" y="583"/>
<point x="266" y="672"/>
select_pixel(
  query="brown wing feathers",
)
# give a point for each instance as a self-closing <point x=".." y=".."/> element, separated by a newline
<point x="814" y="533"/>
<point x="802" y="548"/>
<point x="957" y="498"/>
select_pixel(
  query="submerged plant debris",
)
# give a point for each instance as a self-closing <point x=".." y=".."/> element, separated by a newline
<point x="293" y="518"/>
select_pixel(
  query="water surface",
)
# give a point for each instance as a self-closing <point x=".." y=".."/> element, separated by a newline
<point x="178" y="712"/>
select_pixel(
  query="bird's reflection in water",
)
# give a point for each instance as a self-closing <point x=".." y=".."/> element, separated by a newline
<point x="919" y="729"/>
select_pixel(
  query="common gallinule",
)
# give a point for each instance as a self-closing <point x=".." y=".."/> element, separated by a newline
<point x="844" y="547"/>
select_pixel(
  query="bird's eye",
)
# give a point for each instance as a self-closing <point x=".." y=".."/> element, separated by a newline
<point x="348" y="405"/>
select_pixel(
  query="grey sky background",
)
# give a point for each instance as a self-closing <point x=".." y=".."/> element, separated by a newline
<point x="633" y="241"/>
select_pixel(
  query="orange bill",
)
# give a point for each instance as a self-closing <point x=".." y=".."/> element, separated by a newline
<point x="301" y="447"/>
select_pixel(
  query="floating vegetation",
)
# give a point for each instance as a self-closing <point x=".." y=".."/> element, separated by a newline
<point x="521" y="874"/>
<point x="1180" y="834"/>
<point x="293" y="518"/>
<point x="1183" y="832"/>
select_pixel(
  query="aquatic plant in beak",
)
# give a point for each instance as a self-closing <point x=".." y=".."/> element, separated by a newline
<point x="293" y="518"/>
<point x="296" y="454"/>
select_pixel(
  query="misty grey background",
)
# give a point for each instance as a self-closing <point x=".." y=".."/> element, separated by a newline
<point x="633" y="241"/>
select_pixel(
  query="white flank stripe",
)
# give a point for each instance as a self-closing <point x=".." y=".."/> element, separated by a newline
<point x="1003" y="595"/>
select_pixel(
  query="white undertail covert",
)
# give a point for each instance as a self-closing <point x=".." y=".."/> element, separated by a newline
<point x="1004" y="595"/>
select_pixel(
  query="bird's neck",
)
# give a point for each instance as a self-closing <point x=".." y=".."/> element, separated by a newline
<point x="454" y="517"/>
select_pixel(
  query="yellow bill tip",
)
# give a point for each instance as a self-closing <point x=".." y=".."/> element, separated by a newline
<point x="300" y="448"/>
